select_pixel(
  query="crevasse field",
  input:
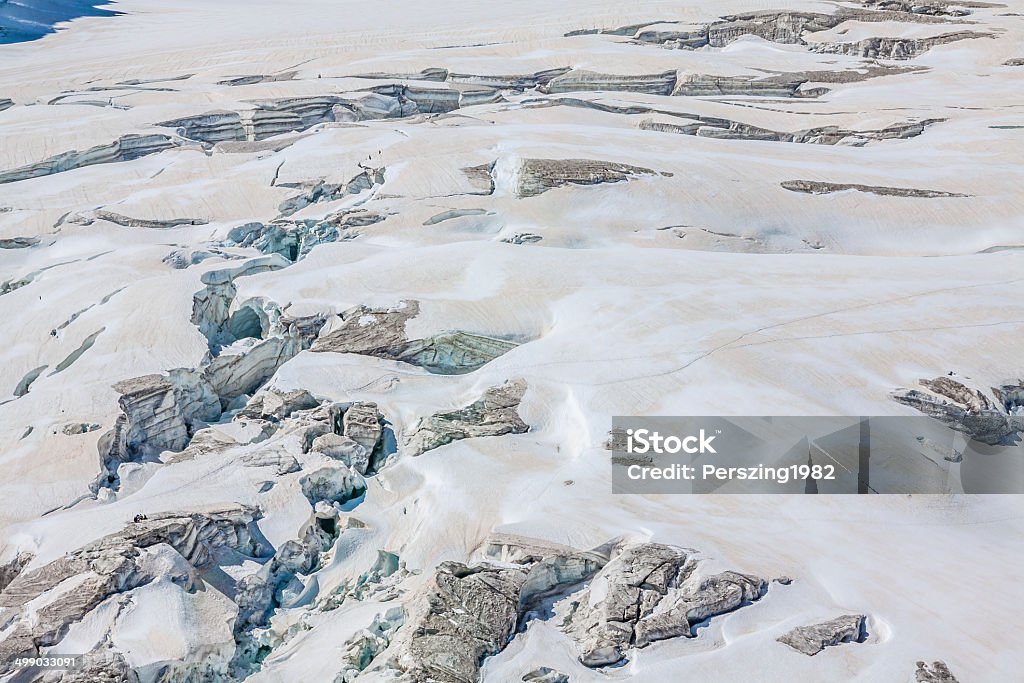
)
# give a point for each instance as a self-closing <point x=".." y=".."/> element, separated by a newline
<point x="316" y="314"/>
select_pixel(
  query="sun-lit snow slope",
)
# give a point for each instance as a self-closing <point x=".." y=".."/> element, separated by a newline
<point x="303" y="300"/>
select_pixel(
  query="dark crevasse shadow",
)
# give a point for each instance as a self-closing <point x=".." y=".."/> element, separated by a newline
<point x="24" y="20"/>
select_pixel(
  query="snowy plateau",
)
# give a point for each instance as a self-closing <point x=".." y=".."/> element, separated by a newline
<point x="316" y="314"/>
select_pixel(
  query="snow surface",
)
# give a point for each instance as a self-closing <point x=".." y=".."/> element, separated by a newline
<point x="620" y="313"/>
